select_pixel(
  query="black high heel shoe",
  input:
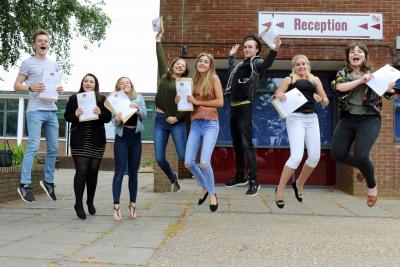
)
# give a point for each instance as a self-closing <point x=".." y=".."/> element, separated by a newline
<point x="80" y="212"/>
<point x="299" y="197"/>
<point x="213" y="208"/>
<point x="279" y="203"/>
<point x="201" y="200"/>
<point x="91" y="208"/>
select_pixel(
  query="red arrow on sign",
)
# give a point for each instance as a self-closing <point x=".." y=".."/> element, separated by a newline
<point x="376" y="26"/>
<point x="281" y="25"/>
<point x="364" y="26"/>
<point x="268" y="24"/>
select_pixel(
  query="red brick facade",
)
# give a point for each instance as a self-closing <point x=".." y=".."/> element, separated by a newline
<point x="213" y="26"/>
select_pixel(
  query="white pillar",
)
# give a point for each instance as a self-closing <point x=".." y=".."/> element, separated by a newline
<point x="21" y="112"/>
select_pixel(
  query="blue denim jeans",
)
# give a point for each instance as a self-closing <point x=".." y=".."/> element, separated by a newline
<point x="203" y="132"/>
<point x="127" y="148"/>
<point x="35" y="120"/>
<point x="161" y="131"/>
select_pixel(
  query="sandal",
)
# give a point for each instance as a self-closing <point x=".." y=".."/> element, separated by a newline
<point x="117" y="213"/>
<point x="132" y="210"/>
<point x="371" y="200"/>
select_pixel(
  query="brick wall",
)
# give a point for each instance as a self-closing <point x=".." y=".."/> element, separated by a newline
<point x="213" y="26"/>
<point x="10" y="180"/>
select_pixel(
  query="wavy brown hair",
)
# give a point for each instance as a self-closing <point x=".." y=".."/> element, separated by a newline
<point x="366" y="66"/>
<point x="171" y="68"/>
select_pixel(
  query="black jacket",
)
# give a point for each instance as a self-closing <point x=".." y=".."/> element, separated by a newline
<point x="76" y="127"/>
<point x="257" y="68"/>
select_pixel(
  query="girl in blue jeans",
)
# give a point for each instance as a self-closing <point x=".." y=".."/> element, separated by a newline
<point x="168" y="120"/>
<point x="207" y="97"/>
<point x="128" y="147"/>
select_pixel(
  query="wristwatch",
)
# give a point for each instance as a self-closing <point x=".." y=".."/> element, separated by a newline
<point x="29" y="89"/>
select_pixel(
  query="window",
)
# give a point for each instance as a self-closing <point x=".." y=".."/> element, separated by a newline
<point x="147" y="134"/>
<point x="11" y="117"/>
<point x="397" y="120"/>
<point x="269" y="130"/>
<point x="61" y="104"/>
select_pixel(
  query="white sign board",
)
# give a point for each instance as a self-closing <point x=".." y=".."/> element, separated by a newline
<point x="323" y="25"/>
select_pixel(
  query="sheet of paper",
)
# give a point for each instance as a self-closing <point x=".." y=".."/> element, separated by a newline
<point x="158" y="24"/>
<point x="381" y="79"/>
<point x="184" y="89"/>
<point x="269" y="35"/>
<point x="51" y="80"/>
<point x="119" y="102"/>
<point x="87" y="102"/>
<point x="294" y="100"/>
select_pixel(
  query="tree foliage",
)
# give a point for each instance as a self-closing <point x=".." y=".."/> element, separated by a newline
<point x="65" y="20"/>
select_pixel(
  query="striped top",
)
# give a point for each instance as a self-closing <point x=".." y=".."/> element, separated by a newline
<point x="89" y="149"/>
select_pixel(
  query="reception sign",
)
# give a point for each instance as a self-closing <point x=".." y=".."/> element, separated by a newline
<point x="323" y="25"/>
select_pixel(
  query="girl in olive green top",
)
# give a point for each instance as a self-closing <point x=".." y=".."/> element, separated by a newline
<point x="360" y="120"/>
<point x="168" y="120"/>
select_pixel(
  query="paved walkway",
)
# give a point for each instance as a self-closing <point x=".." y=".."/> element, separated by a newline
<point x="329" y="228"/>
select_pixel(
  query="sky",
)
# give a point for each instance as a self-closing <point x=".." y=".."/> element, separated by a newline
<point x="128" y="50"/>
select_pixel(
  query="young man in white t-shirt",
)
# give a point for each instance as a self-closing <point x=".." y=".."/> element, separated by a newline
<point x="39" y="113"/>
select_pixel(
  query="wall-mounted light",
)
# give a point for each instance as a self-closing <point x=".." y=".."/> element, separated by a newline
<point x="184" y="50"/>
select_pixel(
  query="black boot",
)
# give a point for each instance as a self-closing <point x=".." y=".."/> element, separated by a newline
<point x="80" y="212"/>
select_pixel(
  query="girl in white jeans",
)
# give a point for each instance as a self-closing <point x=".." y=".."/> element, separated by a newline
<point x="302" y="126"/>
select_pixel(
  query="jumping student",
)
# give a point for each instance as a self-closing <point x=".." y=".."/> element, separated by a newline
<point x="242" y="85"/>
<point x="207" y="97"/>
<point x="168" y="120"/>
<point x="128" y="147"/>
<point x="39" y="113"/>
<point x="302" y="126"/>
<point x="360" y="118"/>
<point x="88" y="142"/>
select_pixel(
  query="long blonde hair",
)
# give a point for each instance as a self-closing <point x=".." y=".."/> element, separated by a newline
<point x="203" y="84"/>
<point x="132" y="93"/>
<point x="294" y="75"/>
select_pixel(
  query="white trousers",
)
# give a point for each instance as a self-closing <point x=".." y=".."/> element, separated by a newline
<point x="303" y="129"/>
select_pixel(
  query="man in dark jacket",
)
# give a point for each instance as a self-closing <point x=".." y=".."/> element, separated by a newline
<point x="242" y="84"/>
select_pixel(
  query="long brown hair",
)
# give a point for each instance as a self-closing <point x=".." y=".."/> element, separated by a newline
<point x="96" y="87"/>
<point x="132" y="93"/>
<point x="171" y="68"/>
<point x="365" y="66"/>
<point x="203" y="84"/>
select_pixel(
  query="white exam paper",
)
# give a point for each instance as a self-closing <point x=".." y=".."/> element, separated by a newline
<point x="269" y="35"/>
<point x="51" y="80"/>
<point x="120" y="102"/>
<point x="184" y="89"/>
<point x="381" y="79"/>
<point x="157" y="24"/>
<point x="294" y="100"/>
<point x="87" y="102"/>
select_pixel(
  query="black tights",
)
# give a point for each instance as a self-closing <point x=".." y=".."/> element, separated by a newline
<point x="86" y="173"/>
<point x="362" y="130"/>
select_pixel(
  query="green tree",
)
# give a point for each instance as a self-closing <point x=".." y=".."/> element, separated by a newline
<point x="65" y="20"/>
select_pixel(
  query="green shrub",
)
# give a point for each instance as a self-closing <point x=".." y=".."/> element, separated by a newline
<point x="18" y="154"/>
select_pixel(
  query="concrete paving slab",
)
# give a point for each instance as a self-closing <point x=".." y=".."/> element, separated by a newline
<point x="18" y="262"/>
<point x="110" y="254"/>
<point x="330" y="228"/>
<point x="34" y="250"/>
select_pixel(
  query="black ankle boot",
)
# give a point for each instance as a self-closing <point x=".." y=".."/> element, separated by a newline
<point x="91" y="208"/>
<point x="80" y="212"/>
